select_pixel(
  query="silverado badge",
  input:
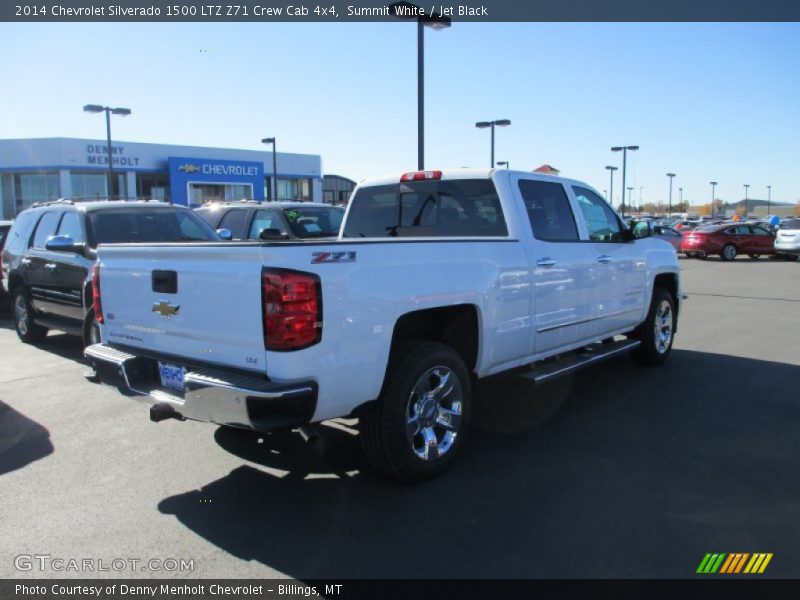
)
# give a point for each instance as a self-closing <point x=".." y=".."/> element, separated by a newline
<point x="165" y="309"/>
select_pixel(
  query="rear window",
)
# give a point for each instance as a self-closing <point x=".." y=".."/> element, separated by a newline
<point x="454" y="208"/>
<point x="314" y="221"/>
<point x="147" y="226"/>
<point x="790" y="224"/>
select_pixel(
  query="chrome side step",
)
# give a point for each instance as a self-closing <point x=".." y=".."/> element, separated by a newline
<point x="542" y="372"/>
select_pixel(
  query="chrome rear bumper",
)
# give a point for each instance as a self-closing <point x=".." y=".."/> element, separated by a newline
<point x="210" y="394"/>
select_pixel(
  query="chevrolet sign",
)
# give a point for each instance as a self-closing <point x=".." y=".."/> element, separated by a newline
<point x="189" y="168"/>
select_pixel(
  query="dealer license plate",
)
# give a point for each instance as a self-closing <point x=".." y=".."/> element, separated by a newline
<point x="171" y="375"/>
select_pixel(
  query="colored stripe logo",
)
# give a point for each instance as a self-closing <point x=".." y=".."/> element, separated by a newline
<point x="734" y="563"/>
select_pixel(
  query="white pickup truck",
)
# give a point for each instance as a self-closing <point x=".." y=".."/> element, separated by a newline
<point x="438" y="278"/>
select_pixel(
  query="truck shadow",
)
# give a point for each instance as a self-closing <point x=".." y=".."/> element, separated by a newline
<point x="22" y="441"/>
<point x="616" y="472"/>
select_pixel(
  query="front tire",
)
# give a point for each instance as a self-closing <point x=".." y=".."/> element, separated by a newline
<point x="27" y="331"/>
<point x="416" y="428"/>
<point x="658" y="331"/>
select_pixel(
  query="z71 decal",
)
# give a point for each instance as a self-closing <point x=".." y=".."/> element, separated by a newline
<point x="332" y="257"/>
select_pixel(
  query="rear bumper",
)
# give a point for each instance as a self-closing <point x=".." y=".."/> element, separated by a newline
<point x="212" y="394"/>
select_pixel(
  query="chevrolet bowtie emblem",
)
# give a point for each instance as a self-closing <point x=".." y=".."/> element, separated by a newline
<point x="189" y="168"/>
<point x="165" y="309"/>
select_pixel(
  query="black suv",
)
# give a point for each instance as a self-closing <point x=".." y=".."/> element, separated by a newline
<point x="50" y="250"/>
<point x="250" y="219"/>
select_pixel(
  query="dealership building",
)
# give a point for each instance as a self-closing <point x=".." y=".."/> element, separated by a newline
<point x="33" y="170"/>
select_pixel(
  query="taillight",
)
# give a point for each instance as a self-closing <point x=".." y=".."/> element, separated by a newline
<point x="292" y="307"/>
<point x="96" y="304"/>
<point x="421" y="175"/>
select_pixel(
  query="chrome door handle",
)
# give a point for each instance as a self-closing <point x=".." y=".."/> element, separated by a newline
<point x="25" y="261"/>
<point x="604" y="258"/>
<point x="545" y="262"/>
<point x="50" y="266"/>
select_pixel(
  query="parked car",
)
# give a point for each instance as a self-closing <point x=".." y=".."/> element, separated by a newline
<point x="787" y="240"/>
<point x="728" y="240"/>
<point x="47" y="262"/>
<point x="438" y="278"/>
<point x="4" y="227"/>
<point x="249" y="219"/>
<point x="647" y="228"/>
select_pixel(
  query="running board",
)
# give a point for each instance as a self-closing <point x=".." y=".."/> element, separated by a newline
<point x="589" y="355"/>
<point x="66" y="326"/>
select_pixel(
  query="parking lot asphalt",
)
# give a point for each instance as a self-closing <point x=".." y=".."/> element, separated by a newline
<point x="618" y="471"/>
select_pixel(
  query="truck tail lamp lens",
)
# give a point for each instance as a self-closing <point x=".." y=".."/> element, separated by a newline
<point x="420" y="176"/>
<point x="292" y="307"/>
<point x="97" y="305"/>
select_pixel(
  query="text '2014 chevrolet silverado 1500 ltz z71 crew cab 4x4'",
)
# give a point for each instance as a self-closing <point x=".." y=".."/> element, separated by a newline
<point x="438" y="278"/>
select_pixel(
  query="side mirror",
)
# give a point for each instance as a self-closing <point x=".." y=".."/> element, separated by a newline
<point x="271" y="233"/>
<point x="225" y="234"/>
<point x="63" y="243"/>
<point x="627" y="235"/>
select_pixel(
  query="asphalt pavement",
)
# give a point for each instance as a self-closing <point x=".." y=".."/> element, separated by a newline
<point x="618" y="471"/>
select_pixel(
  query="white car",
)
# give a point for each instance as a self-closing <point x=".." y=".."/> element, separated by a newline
<point x="438" y="278"/>
<point x="787" y="238"/>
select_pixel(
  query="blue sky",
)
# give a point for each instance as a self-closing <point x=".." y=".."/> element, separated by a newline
<point x="705" y="101"/>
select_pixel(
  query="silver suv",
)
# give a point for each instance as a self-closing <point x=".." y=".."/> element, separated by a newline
<point x="787" y="239"/>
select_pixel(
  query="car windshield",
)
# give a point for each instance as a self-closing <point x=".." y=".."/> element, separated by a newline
<point x="790" y="224"/>
<point x="136" y="225"/>
<point x="314" y="221"/>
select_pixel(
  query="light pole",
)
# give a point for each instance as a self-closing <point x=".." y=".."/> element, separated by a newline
<point x="503" y="163"/>
<point x="680" y="192"/>
<point x="713" y="185"/>
<point x="498" y="123"/>
<point x="746" y="189"/>
<point x="611" y="187"/>
<point x="123" y="112"/>
<point x="641" y="187"/>
<point x="407" y="10"/>
<point x="630" y="191"/>
<point x="624" y="163"/>
<point x="274" y="166"/>
<point x="769" y="198"/>
<point x="670" y="175"/>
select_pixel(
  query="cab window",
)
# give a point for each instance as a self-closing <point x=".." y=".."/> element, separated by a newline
<point x="549" y="212"/>
<point x="71" y="226"/>
<point x="45" y="229"/>
<point x="603" y="223"/>
<point x="265" y="219"/>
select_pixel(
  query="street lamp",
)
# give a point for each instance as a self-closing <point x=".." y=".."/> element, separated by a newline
<point x="746" y="189"/>
<point x="498" y="123"/>
<point x="407" y="10"/>
<point x="680" y="192"/>
<point x="713" y="185"/>
<point x="611" y="187"/>
<point x="123" y="112"/>
<point x="641" y="187"/>
<point x="769" y="198"/>
<point x="624" y="162"/>
<point x="670" y="175"/>
<point x="274" y="166"/>
<point x="503" y="163"/>
<point x="630" y="191"/>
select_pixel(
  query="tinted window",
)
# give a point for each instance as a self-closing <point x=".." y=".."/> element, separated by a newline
<point x="20" y="232"/>
<point x="790" y="224"/>
<point x="461" y="207"/>
<point x="71" y="226"/>
<point x="153" y="225"/>
<point x="603" y="223"/>
<point x="314" y="220"/>
<point x="548" y="210"/>
<point x="265" y="219"/>
<point x="759" y="231"/>
<point x="45" y="229"/>
<point x="234" y="220"/>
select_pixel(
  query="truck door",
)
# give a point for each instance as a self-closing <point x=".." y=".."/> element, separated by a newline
<point x="619" y="266"/>
<point x="37" y="268"/>
<point x="560" y="263"/>
<point x="70" y="272"/>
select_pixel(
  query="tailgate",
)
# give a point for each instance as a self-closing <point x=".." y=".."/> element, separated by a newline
<point x="200" y="303"/>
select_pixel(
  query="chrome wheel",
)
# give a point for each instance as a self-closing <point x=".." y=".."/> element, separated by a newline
<point x="663" y="326"/>
<point x="433" y="413"/>
<point x="729" y="252"/>
<point x="21" y="314"/>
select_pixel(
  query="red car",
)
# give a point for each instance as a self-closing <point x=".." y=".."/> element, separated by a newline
<point x="728" y="240"/>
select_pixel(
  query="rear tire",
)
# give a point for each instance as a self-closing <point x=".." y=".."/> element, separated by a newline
<point x="729" y="252"/>
<point x="416" y="428"/>
<point x="658" y="330"/>
<point x="91" y="331"/>
<point x="27" y="331"/>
